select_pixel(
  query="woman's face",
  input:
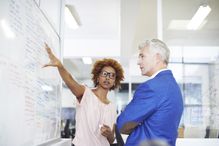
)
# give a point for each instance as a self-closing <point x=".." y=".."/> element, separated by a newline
<point x="107" y="77"/>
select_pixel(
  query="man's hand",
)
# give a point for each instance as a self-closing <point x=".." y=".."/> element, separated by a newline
<point x="54" y="61"/>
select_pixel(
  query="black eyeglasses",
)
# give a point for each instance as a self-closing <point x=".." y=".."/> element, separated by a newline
<point x="111" y="75"/>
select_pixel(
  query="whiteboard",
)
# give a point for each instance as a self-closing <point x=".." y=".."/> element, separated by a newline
<point x="30" y="104"/>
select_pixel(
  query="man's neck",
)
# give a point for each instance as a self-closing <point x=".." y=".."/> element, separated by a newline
<point x="157" y="69"/>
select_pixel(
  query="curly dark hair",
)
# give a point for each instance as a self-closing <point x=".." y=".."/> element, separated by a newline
<point x="100" y="64"/>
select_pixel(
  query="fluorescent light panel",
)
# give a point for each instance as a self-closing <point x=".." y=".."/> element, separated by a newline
<point x="87" y="60"/>
<point x="69" y="18"/>
<point x="199" y="17"/>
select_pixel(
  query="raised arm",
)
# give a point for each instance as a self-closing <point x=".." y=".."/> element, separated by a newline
<point x="76" y="88"/>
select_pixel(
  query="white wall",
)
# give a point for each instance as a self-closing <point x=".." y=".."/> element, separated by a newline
<point x="197" y="142"/>
<point x="52" y="9"/>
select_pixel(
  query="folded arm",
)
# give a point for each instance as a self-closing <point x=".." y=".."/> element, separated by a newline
<point x="128" y="127"/>
<point x="137" y="111"/>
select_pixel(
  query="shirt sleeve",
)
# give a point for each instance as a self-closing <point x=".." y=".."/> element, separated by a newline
<point x="140" y="108"/>
<point x="84" y="96"/>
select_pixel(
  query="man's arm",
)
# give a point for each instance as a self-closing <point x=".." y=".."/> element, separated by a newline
<point x="128" y="127"/>
<point x="138" y="110"/>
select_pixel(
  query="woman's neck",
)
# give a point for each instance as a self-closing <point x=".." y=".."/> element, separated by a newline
<point x="101" y="94"/>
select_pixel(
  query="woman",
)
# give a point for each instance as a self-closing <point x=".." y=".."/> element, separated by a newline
<point x="95" y="114"/>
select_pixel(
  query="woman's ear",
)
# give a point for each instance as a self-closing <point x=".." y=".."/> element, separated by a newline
<point x="98" y="80"/>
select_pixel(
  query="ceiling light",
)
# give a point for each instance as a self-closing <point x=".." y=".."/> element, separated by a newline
<point x="199" y="17"/>
<point x="71" y="17"/>
<point x="87" y="60"/>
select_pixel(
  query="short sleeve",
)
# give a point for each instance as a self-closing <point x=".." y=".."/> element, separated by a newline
<point x="84" y="97"/>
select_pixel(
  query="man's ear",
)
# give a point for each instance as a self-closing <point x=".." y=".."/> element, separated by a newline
<point x="158" y="57"/>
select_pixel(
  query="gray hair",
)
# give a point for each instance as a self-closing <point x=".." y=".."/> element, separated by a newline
<point x="157" y="46"/>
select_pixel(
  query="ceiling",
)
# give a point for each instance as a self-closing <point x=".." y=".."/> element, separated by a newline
<point x="113" y="28"/>
<point x="208" y="35"/>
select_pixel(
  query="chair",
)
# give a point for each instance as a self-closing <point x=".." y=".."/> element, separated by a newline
<point x="119" y="138"/>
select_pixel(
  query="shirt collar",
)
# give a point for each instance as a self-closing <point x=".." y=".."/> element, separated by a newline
<point x="154" y="75"/>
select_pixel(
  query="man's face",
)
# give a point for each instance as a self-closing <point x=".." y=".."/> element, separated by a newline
<point x="146" y="61"/>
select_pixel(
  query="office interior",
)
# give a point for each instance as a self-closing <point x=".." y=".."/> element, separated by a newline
<point x="114" y="28"/>
<point x="121" y="25"/>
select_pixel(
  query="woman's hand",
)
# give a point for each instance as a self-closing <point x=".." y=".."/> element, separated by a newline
<point x="76" y="88"/>
<point x="54" y="61"/>
<point x="108" y="133"/>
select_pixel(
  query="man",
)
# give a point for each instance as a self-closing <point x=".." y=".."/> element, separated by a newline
<point x="156" y="108"/>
